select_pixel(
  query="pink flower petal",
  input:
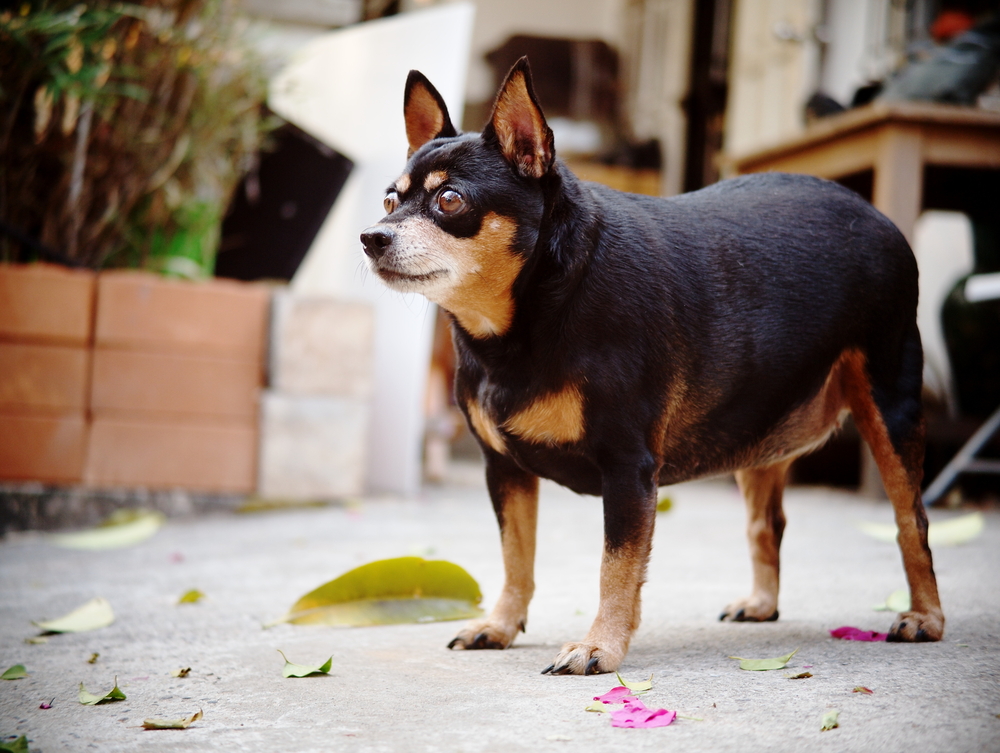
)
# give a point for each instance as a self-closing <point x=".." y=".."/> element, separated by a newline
<point x="615" y="695"/>
<point x="635" y="715"/>
<point x="856" y="634"/>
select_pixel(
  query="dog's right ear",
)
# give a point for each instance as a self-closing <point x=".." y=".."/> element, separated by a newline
<point x="425" y="113"/>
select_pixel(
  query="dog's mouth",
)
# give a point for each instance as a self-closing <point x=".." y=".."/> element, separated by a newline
<point x="394" y="276"/>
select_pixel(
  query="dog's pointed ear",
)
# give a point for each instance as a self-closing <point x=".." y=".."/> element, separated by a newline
<point x="518" y="125"/>
<point x="425" y="112"/>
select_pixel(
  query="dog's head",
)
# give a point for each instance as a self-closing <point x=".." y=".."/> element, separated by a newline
<point x="463" y="217"/>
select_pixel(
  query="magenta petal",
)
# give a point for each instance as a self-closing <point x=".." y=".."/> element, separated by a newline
<point x="855" y="634"/>
<point x="635" y="715"/>
<point x="615" y="695"/>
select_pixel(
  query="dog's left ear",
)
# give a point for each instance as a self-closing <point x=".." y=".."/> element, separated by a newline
<point x="425" y="113"/>
<point x="518" y="125"/>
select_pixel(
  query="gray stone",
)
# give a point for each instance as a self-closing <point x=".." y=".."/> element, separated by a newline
<point x="312" y="447"/>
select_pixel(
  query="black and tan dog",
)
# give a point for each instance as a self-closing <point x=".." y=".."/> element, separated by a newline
<point x="615" y="342"/>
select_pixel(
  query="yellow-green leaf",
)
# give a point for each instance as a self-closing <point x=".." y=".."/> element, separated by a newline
<point x="122" y="528"/>
<point x="172" y="723"/>
<point x="640" y="686"/>
<point x="93" y="658"/>
<point x="301" y="670"/>
<point x="897" y="601"/>
<point x="393" y="591"/>
<point x="800" y="676"/>
<point x="598" y="706"/>
<point x="15" y="672"/>
<point x="944" y="533"/>
<point x="761" y="665"/>
<point x="191" y="597"/>
<point x="89" y="699"/>
<point x="20" y="745"/>
<point x="181" y="672"/>
<point x="829" y="720"/>
<point x="95" y="614"/>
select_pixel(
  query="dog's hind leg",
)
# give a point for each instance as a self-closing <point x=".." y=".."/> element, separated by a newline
<point x="514" y="493"/>
<point x="886" y="406"/>
<point x="629" y="516"/>
<point x="762" y="490"/>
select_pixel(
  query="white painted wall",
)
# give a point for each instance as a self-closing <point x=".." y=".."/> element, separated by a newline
<point x="346" y="89"/>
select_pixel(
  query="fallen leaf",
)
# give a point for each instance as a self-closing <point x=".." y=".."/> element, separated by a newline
<point x="616" y="695"/>
<point x="191" y="597"/>
<point x="89" y="699"/>
<point x="15" y="672"/>
<point x="122" y="528"/>
<point x="800" y="676"/>
<point x="172" y="723"/>
<point x="862" y="689"/>
<point x="636" y="715"/>
<point x="93" y="658"/>
<point x="183" y="672"/>
<point x="761" y="665"/>
<point x="897" y="601"/>
<point x="847" y="633"/>
<point x="95" y="614"/>
<point x="301" y="670"/>
<point x="37" y="639"/>
<point x="636" y="687"/>
<point x="664" y="503"/>
<point x="943" y="533"/>
<point x="389" y="592"/>
<point x="829" y="720"/>
<point x="19" y="745"/>
<point x="596" y="706"/>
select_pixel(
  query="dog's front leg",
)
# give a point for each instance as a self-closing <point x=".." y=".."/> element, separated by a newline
<point x="629" y="515"/>
<point x="514" y="493"/>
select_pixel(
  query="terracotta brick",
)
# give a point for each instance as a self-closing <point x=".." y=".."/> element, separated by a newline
<point x="200" y="456"/>
<point x="43" y="377"/>
<point x="46" y="303"/>
<point x="149" y="383"/>
<point x="143" y="311"/>
<point x="42" y="448"/>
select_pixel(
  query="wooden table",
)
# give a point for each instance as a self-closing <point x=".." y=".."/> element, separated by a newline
<point x="889" y="144"/>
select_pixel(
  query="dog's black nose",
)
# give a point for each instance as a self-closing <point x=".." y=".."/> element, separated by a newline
<point x="377" y="240"/>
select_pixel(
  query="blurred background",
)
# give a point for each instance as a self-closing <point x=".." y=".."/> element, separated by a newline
<point x="186" y="318"/>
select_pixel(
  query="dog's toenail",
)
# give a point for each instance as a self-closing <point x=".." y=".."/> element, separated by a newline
<point x="454" y="642"/>
<point x="740" y="616"/>
<point x="591" y="666"/>
<point x="548" y="669"/>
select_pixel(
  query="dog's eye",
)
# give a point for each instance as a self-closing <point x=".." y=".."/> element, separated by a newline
<point x="450" y="202"/>
<point x="390" y="202"/>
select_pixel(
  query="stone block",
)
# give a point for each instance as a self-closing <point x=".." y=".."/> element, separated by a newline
<point x="46" y="303"/>
<point x="321" y="346"/>
<point x="312" y="447"/>
<point x="47" y="378"/>
<point x="49" y="449"/>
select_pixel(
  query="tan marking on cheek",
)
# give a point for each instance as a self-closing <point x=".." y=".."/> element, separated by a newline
<point x="556" y="418"/>
<point x="403" y="184"/>
<point x="485" y="427"/>
<point x="435" y="180"/>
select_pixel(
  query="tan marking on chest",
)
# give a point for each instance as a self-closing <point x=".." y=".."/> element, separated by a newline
<point x="485" y="427"/>
<point x="556" y="418"/>
<point x="435" y="180"/>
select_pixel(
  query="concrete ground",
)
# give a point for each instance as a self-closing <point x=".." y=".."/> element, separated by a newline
<point x="398" y="688"/>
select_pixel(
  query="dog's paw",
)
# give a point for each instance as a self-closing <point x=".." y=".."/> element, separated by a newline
<point x="915" y="627"/>
<point x="585" y="659"/>
<point x="751" y="609"/>
<point x="485" y="634"/>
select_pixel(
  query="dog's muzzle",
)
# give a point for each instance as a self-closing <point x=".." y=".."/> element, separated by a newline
<point x="377" y="240"/>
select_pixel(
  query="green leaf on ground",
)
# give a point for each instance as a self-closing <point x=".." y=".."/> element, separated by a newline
<point x="301" y="670"/>
<point x="182" y="672"/>
<point x="20" y="745"/>
<point x="191" y="597"/>
<point x="599" y="706"/>
<point x="122" y="528"/>
<point x="93" y="658"/>
<point x="762" y="665"/>
<point x="37" y="639"/>
<point x="15" y="672"/>
<point x="800" y="676"/>
<point x="95" y="614"/>
<point x="641" y="686"/>
<point x="897" y="601"/>
<point x="172" y="723"/>
<point x="664" y="503"/>
<point x="829" y="720"/>
<point x="944" y="533"/>
<point x="390" y="592"/>
<point x="89" y="699"/>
